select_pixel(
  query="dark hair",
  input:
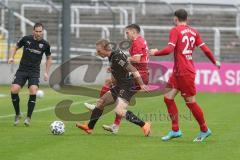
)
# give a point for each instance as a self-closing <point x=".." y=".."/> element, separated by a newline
<point x="181" y="14"/>
<point x="134" y="26"/>
<point x="38" y="25"/>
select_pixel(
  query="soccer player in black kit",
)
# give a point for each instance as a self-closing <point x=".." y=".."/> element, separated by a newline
<point x="34" y="46"/>
<point x="121" y="92"/>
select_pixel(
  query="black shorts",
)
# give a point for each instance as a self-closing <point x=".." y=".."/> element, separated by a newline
<point x="122" y="92"/>
<point x="22" y="77"/>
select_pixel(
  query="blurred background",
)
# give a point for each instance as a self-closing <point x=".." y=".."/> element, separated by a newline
<point x="218" y="21"/>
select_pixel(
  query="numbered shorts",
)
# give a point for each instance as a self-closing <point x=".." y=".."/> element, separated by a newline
<point x="185" y="84"/>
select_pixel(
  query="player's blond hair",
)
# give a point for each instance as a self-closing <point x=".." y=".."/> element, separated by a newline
<point x="105" y="43"/>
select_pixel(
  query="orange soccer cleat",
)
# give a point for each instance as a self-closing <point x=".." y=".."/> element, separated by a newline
<point x="84" y="127"/>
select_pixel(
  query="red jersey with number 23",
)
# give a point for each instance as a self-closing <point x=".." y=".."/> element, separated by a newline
<point x="184" y="38"/>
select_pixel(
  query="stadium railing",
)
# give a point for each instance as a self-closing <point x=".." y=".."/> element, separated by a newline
<point x="75" y="18"/>
<point x="23" y="20"/>
<point x="235" y="10"/>
<point x="105" y="28"/>
<point x="88" y="51"/>
<point x="4" y="31"/>
<point x="217" y="32"/>
<point x="27" y="21"/>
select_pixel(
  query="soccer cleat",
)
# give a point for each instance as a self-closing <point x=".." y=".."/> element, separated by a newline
<point x="89" y="106"/>
<point x="202" y="136"/>
<point x="146" y="129"/>
<point x="84" y="127"/>
<point x="171" y="135"/>
<point x="17" y="119"/>
<point x="27" y="121"/>
<point x="111" y="128"/>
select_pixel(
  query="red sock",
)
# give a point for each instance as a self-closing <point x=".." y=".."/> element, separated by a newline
<point x="117" y="120"/>
<point x="198" y="114"/>
<point x="104" y="90"/>
<point x="173" y="113"/>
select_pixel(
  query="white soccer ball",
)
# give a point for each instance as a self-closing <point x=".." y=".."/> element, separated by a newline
<point x="40" y="94"/>
<point x="57" y="127"/>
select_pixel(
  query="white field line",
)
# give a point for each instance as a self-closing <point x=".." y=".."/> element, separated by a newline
<point x="40" y="110"/>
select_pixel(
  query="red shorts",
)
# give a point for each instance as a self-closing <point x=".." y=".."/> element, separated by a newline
<point x="185" y="84"/>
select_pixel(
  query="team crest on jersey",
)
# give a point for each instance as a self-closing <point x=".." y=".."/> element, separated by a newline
<point x="40" y="45"/>
<point x="121" y="63"/>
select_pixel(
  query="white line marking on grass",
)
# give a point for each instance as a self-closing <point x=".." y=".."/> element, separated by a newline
<point x="3" y="95"/>
<point x="42" y="110"/>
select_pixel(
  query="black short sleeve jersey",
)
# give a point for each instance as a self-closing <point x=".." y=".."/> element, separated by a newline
<point x="118" y="62"/>
<point x="33" y="51"/>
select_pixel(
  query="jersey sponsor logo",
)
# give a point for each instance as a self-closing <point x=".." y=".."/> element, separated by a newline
<point x="34" y="51"/>
<point x="40" y="45"/>
<point x="121" y="63"/>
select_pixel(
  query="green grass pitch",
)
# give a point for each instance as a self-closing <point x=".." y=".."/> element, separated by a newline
<point x="37" y="143"/>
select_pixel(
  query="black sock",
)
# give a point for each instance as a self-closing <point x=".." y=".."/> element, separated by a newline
<point x="15" y="102"/>
<point x="31" y="105"/>
<point x="134" y="119"/>
<point x="96" y="114"/>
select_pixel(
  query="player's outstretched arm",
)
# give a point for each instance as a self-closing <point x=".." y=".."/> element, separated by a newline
<point x="165" y="51"/>
<point x="170" y="47"/>
<point x="12" y="55"/>
<point x="209" y="54"/>
<point x="48" y="65"/>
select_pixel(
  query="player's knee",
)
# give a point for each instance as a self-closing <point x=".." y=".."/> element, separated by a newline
<point x="33" y="89"/>
<point x="168" y="96"/>
<point x="119" y="111"/>
<point x="100" y="103"/>
<point x="190" y="99"/>
<point x="15" y="89"/>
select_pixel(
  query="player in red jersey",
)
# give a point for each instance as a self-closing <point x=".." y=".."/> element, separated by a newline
<point x="182" y="41"/>
<point x="138" y="51"/>
<point x="139" y="59"/>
